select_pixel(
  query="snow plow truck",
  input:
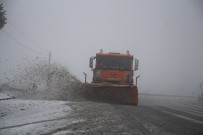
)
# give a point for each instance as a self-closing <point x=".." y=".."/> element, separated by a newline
<point x="112" y="80"/>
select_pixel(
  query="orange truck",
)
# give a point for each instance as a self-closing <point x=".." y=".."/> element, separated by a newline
<point x="112" y="78"/>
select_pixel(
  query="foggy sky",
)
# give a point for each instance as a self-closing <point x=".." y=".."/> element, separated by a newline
<point x="165" y="35"/>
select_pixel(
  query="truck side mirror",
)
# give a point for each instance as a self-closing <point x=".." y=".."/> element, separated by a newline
<point x="91" y="61"/>
<point x="136" y="64"/>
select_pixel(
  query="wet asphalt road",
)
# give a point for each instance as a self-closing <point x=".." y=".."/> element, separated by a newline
<point x="174" y="119"/>
<point x="168" y="119"/>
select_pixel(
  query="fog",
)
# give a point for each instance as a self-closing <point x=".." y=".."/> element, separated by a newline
<point x="166" y="37"/>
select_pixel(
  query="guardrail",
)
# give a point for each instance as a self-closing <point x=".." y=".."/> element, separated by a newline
<point x="159" y="98"/>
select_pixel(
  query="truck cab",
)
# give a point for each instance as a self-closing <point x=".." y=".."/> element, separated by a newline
<point x="113" y="68"/>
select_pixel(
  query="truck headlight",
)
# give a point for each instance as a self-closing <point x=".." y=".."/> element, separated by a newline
<point x="127" y="78"/>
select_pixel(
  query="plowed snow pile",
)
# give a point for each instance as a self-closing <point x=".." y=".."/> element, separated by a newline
<point x="38" y="80"/>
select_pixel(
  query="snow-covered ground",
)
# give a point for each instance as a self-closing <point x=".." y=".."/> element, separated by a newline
<point x="4" y="96"/>
<point x="33" y="116"/>
<point x="30" y="99"/>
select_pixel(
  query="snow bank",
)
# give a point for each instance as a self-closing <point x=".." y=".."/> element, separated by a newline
<point x="38" y="80"/>
<point x="4" y="96"/>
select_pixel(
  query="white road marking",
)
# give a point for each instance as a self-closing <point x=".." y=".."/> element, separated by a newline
<point x="177" y="115"/>
<point x="185" y="110"/>
<point x="187" y="105"/>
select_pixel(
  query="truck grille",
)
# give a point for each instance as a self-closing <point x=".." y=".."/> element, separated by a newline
<point x="113" y="80"/>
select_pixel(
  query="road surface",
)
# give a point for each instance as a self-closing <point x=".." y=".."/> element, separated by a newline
<point x="89" y="118"/>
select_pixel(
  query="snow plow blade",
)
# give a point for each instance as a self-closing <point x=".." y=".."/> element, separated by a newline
<point x="112" y="94"/>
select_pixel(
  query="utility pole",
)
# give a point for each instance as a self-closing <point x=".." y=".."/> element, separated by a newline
<point x="200" y="95"/>
<point x="49" y="58"/>
<point x="48" y="72"/>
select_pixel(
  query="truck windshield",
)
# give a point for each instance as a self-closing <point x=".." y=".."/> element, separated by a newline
<point x="113" y="62"/>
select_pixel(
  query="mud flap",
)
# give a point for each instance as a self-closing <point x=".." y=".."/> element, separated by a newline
<point x="116" y="95"/>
